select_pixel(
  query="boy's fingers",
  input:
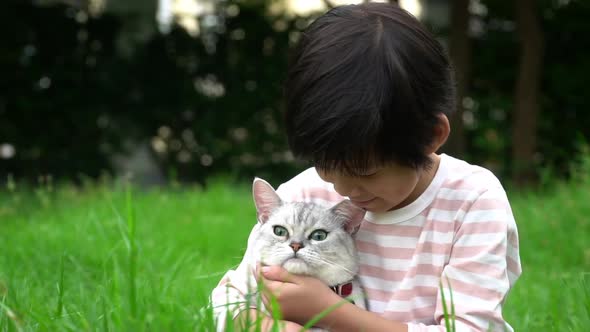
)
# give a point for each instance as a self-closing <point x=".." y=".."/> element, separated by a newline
<point x="258" y="271"/>
<point x="270" y="290"/>
<point x="278" y="273"/>
<point x="273" y="287"/>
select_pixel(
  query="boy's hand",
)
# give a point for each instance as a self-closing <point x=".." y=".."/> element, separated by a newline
<point x="266" y="323"/>
<point x="286" y="326"/>
<point x="300" y="298"/>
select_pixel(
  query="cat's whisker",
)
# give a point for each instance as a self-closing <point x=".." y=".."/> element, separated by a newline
<point x="317" y="258"/>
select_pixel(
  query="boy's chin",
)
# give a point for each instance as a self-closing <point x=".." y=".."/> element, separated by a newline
<point x="376" y="206"/>
<point x="383" y="206"/>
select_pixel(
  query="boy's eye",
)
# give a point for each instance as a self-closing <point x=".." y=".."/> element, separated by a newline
<point x="280" y="231"/>
<point x="369" y="173"/>
<point x="364" y="175"/>
<point x="318" y="235"/>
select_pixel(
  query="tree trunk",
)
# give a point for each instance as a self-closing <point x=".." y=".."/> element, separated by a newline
<point x="526" y="95"/>
<point x="460" y="52"/>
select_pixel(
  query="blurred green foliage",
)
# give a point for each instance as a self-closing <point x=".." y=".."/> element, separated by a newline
<point x="211" y="103"/>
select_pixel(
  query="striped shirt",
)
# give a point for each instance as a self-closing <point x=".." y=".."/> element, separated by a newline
<point x="459" y="232"/>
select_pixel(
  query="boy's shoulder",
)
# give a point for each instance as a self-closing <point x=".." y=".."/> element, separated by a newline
<point x="462" y="175"/>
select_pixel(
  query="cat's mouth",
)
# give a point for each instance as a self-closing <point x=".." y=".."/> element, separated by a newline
<point x="295" y="265"/>
<point x="294" y="259"/>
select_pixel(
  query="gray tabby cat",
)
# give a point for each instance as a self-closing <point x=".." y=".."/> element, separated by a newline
<point x="309" y="239"/>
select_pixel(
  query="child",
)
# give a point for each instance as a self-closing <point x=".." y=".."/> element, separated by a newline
<point x="368" y="94"/>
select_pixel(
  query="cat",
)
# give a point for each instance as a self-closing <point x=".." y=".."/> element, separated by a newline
<point x="309" y="239"/>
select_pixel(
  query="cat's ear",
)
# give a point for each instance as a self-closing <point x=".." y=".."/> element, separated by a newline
<point x="265" y="199"/>
<point x="353" y="215"/>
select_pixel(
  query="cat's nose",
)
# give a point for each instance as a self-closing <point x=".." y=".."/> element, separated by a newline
<point x="296" y="246"/>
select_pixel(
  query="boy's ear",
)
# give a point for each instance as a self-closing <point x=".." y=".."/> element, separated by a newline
<point x="441" y="133"/>
<point x="353" y="215"/>
<point x="266" y="199"/>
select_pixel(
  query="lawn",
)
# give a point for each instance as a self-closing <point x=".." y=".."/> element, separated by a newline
<point x="75" y="259"/>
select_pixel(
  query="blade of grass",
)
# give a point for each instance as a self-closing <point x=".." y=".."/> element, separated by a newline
<point x="132" y="253"/>
<point x="454" y="328"/>
<point x="322" y="314"/>
<point x="115" y="291"/>
<point x="105" y="315"/>
<point x="444" y="305"/>
<point x="16" y="320"/>
<point x="2" y="326"/>
<point x="585" y="284"/>
<point x="60" y="289"/>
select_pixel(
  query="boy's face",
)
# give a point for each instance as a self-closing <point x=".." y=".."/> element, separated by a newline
<point x="380" y="189"/>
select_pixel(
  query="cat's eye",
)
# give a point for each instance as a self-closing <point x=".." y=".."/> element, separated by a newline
<point x="280" y="231"/>
<point x="318" y="235"/>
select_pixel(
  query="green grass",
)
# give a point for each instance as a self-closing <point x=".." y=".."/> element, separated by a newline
<point x="97" y="259"/>
<point x="74" y="260"/>
<point x="553" y="292"/>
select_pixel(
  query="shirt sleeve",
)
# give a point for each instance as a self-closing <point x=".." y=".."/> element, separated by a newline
<point x="483" y="265"/>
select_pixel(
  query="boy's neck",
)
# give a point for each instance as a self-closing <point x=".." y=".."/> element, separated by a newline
<point x="425" y="178"/>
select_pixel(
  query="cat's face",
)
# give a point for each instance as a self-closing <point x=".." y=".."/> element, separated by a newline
<point x="306" y="238"/>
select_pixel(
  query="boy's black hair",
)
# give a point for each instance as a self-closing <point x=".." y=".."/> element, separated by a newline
<point x="365" y="87"/>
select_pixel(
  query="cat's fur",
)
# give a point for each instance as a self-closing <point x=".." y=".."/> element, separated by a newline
<point x="333" y="260"/>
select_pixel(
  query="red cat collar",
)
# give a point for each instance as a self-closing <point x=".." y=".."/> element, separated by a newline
<point x="343" y="290"/>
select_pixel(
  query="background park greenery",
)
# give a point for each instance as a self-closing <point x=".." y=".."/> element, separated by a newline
<point x="89" y="87"/>
<point x="93" y="91"/>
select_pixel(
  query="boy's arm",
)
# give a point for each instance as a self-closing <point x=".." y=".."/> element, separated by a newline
<point x="257" y="321"/>
<point x="301" y="298"/>
<point x="483" y="266"/>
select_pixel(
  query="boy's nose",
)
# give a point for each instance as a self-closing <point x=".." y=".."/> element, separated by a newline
<point x="344" y="185"/>
<point x="346" y="188"/>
